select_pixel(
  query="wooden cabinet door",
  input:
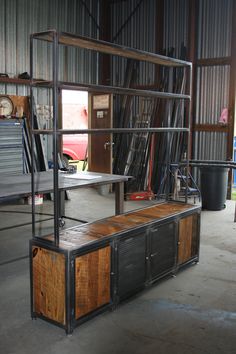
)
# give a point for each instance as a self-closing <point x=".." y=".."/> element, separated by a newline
<point x="131" y="264"/>
<point x="188" y="238"/>
<point x="92" y="281"/>
<point x="49" y="284"/>
<point x="162" y="249"/>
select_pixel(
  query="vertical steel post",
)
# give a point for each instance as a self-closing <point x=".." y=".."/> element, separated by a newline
<point x="55" y="139"/>
<point x="188" y="125"/>
<point x="32" y="135"/>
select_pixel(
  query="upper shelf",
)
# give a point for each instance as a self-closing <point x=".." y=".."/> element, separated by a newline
<point x="110" y="89"/>
<point x="108" y="48"/>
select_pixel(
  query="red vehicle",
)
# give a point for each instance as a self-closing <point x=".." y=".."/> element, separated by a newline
<point x="75" y="147"/>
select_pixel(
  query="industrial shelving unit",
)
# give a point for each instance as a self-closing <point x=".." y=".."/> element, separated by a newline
<point x="104" y="244"/>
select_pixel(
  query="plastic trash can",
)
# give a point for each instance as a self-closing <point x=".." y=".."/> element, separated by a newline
<point x="214" y="187"/>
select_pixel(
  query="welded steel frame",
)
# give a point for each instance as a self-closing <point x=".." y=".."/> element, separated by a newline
<point x="68" y="39"/>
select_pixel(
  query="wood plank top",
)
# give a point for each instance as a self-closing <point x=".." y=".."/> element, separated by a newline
<point x="86" y="234"/>
<point x="74" y="40"/>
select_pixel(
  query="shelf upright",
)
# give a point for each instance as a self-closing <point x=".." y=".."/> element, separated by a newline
<point x="56" y="197"/>
<point x="32" y="135"/>
<point x="54" y="133"/>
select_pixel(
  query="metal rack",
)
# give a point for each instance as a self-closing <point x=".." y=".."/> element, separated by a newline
<point x="56" y="39"/>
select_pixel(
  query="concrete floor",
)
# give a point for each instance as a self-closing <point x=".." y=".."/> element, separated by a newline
<point x="193" y="313"/>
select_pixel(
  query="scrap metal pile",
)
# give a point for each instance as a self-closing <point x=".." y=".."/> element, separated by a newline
<point x="148" y="156"/>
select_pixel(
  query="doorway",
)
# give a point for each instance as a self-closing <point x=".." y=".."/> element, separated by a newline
<point x="75" y="116"/>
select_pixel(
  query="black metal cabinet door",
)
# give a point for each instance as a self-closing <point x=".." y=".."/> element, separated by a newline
<point x="162" y="249"/>
<point x="131" y="264"/>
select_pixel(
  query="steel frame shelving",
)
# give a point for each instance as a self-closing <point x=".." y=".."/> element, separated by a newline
<point x="66" y="39"/>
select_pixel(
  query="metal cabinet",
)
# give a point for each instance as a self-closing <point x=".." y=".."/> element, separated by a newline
<point x="162" y="245"/>
<point x="131" y="267"/>
<point x="11" y="147"/>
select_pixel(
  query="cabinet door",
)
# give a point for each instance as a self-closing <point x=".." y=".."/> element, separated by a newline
<point x="188" y="243"/>
<point x="49" y="284"/>
<point x="163" y="249"/>
<point x="92" y="281"/>
<point x="131" y="264"/>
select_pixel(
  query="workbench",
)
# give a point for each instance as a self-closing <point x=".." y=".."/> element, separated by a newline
<point x="14" y="186"/>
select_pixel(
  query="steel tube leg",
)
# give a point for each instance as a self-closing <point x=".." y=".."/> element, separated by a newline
<point x="119" y="195"/>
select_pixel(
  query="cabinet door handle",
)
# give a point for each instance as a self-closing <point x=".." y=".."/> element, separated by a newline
<point x="108" y="145"/>
<point x="154" y="230"/>
<point x="129" y="239"/>
<point x="154" y="254"/>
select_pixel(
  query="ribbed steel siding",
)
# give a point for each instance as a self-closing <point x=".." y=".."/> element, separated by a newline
<point x="212" y="85"/>
<point x="20" y="18"/>
<point x="215" y="23"/>
<point x="139" y="32"/>
<point x="175" y="25"/>
<point x="211" y="145"/>
<point x="214" y="40"/>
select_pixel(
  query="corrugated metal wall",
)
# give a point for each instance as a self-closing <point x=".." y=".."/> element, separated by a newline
<point x="214" y="23"/>
<point x="175" y="26"/>
<point x="22" y="17"/>
<point x="214" y="41"/>
<point x="19" y="18"/>
<point x="133" y="25"/>
<point x="213" y="93"/>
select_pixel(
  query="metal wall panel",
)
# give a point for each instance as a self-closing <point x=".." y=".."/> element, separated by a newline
<point x="133" y="25"/>
<point x="214" y="23"/>
<point x="211" y="145"/>
<point x="175" y="25"/>
<point x="212" y="86"/>
<point x="23" y="17"/>
<point x="214" y="41"/>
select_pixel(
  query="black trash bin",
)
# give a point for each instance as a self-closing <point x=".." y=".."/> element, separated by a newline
<point x="214" y="187"/>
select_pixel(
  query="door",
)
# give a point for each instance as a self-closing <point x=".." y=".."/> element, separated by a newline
<point x="131" y="264"/>
<point x="163" y="249"/>
<point x="100" y="145"/>
<point x="188" y="244"/>
<point x="92" y="281"/>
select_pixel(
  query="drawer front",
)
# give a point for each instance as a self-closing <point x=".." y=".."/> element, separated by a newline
<point x="163" y="249"/>
<point x="131" y="264"/>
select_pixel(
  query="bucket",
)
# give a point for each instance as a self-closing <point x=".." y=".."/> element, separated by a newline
<point x="214" y="187"/>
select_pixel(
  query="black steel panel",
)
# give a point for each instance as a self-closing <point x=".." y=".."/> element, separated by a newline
<point x="163" y="249"/>
<point x="131" y="264"/>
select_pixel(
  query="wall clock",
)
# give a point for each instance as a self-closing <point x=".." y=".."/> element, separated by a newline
<point x="6" y="106"/>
